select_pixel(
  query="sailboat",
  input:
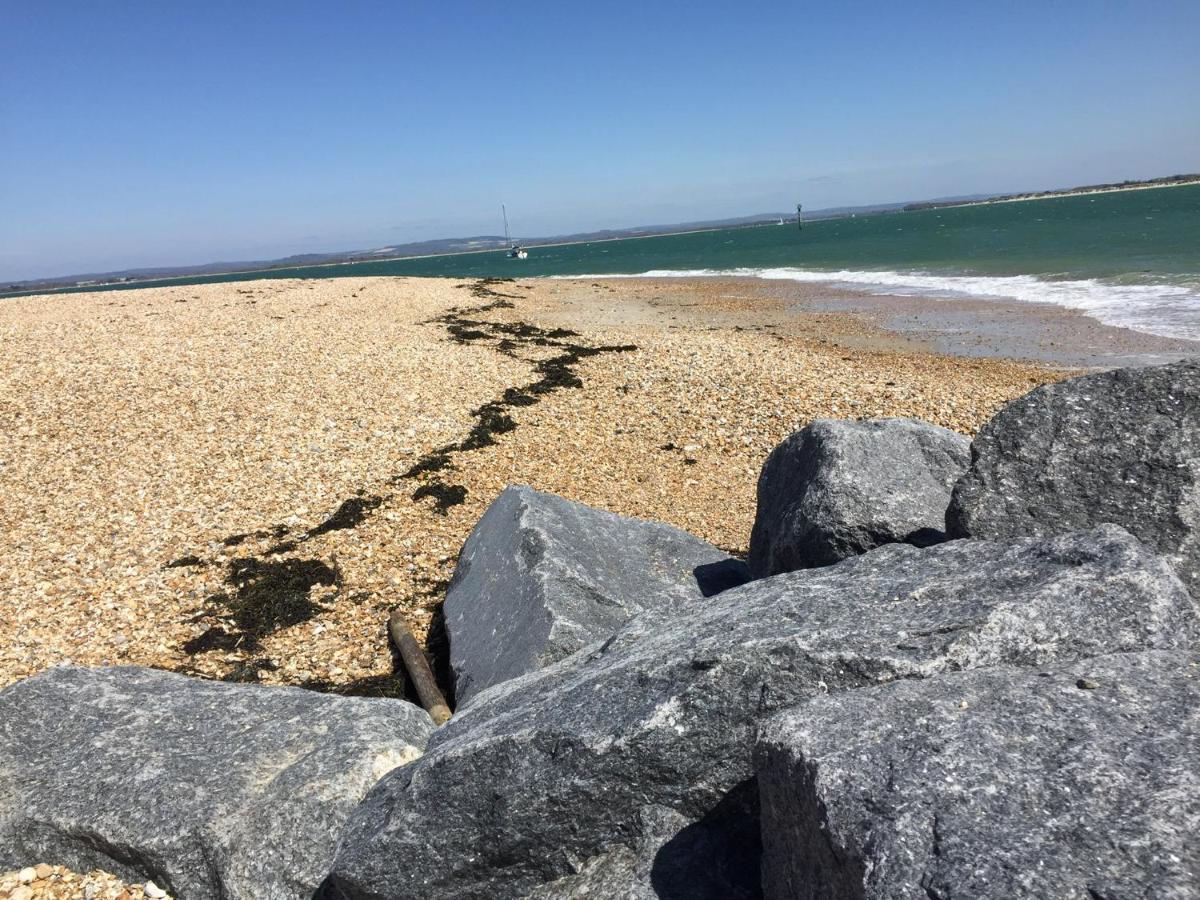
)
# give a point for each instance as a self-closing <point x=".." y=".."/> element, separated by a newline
<point x="515" y="251"/>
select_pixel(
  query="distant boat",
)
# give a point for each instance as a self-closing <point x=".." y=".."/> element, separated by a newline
<point x="515" y="251"/>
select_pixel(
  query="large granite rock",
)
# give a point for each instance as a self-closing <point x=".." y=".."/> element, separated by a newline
<point x="541" y="577"/>
<point x="1121" y="446"/>
<point x="212" y="790"/>
<point x="626" y="769"/>
<point x="839" y="488"/>
<point x="1081" y="781"/>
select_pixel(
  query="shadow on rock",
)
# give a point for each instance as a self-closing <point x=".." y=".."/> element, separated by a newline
<point x="713" y="578"/>
<point x="717" y="857"/>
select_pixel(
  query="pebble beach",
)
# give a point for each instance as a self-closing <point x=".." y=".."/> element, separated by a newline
<point x="241" y="481"/>
<point x="220" y="479"/>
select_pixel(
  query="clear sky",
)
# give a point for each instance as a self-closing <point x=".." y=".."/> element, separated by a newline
<point x="168" y="133"/>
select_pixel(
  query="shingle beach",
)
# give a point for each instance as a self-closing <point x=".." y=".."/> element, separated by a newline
<point x="241" y="480"/>
<point x="220" y="479"/>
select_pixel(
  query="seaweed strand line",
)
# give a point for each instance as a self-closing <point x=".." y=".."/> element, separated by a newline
<point x="492" y="418"/>
<point x="271" y="591"/>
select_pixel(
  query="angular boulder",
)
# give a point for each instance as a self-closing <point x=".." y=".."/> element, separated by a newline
<point x="838" y="488"/>
<point x="541" y="577"/>
<point x="1120" y="446"/>
<point x="1078" y="781"/>
<point x="212" y="790"/>
<point x="627" y="769"/>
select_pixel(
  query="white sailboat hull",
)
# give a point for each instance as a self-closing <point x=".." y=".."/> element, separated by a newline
<point x="514" y="251"/>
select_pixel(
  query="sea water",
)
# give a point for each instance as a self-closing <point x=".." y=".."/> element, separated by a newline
<point x="1129" y="258"/>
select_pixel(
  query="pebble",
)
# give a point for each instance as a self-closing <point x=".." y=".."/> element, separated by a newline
<point x="57" y="883"/>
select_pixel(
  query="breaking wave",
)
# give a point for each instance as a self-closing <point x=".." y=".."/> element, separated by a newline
<point x="1165" y="309"/>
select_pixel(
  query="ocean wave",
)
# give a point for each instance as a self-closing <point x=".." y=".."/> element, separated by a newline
<point x="1167" y="310"/>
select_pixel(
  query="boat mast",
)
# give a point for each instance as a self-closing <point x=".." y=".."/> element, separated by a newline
<point x="507" y="239"/>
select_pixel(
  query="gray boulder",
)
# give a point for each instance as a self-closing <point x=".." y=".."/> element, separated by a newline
<point x="839" y="488"/>
<point x="212" y="790"/>
<point x="1081" y="781"/>
<point x="541" y="577"/>
<point x="1121" y="447"/>
<point x="627" y="769"/>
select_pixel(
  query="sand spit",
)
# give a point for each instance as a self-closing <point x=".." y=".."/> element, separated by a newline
<point x="241" y="480"/>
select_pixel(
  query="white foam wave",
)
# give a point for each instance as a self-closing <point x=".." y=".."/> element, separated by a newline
<point x="1168" y="310"/>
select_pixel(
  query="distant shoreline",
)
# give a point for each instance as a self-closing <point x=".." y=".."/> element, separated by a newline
<point x="1083" y="192"/>
<point x="1050" y="195"/>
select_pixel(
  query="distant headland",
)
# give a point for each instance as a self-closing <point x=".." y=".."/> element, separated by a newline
<point x="1166" y="181"/>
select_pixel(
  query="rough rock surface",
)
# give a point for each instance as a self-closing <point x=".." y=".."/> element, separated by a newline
<point x="627" y="769"/>
<point x="1081" y="781"/>
<point x="838" y="488"/>
<point x="211" y="790"/>
<point x="1121" y="447"/>
<point x="541" y="577"/>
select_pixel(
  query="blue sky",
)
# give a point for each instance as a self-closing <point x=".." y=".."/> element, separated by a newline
<point x="142" y="134"/>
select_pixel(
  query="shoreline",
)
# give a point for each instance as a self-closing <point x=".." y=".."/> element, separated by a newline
<point x="1044" y="331"/>
<point x="874" y="302"/>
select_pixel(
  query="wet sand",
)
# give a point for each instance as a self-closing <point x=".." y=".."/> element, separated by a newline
<point x="1036" y="332"/>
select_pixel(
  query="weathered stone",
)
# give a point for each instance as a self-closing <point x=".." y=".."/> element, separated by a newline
<point x="627" y="768"/>
<point x="999" y="783"/>
<point x="541" y="577"/>
<point x="1121" y="447"/>
<point x="212" y="790"/>
<point x="839" y="488"/>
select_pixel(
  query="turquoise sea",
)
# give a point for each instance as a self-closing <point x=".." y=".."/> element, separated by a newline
<point x="1128" y="258"/>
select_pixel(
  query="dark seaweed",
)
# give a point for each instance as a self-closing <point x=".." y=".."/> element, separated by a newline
<point x="183" y="562"/>
<point x="349" y="515"/>
<point x="263" y="597"/>
<point x="492" y="418"/>
<point x="265" y="593"/>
